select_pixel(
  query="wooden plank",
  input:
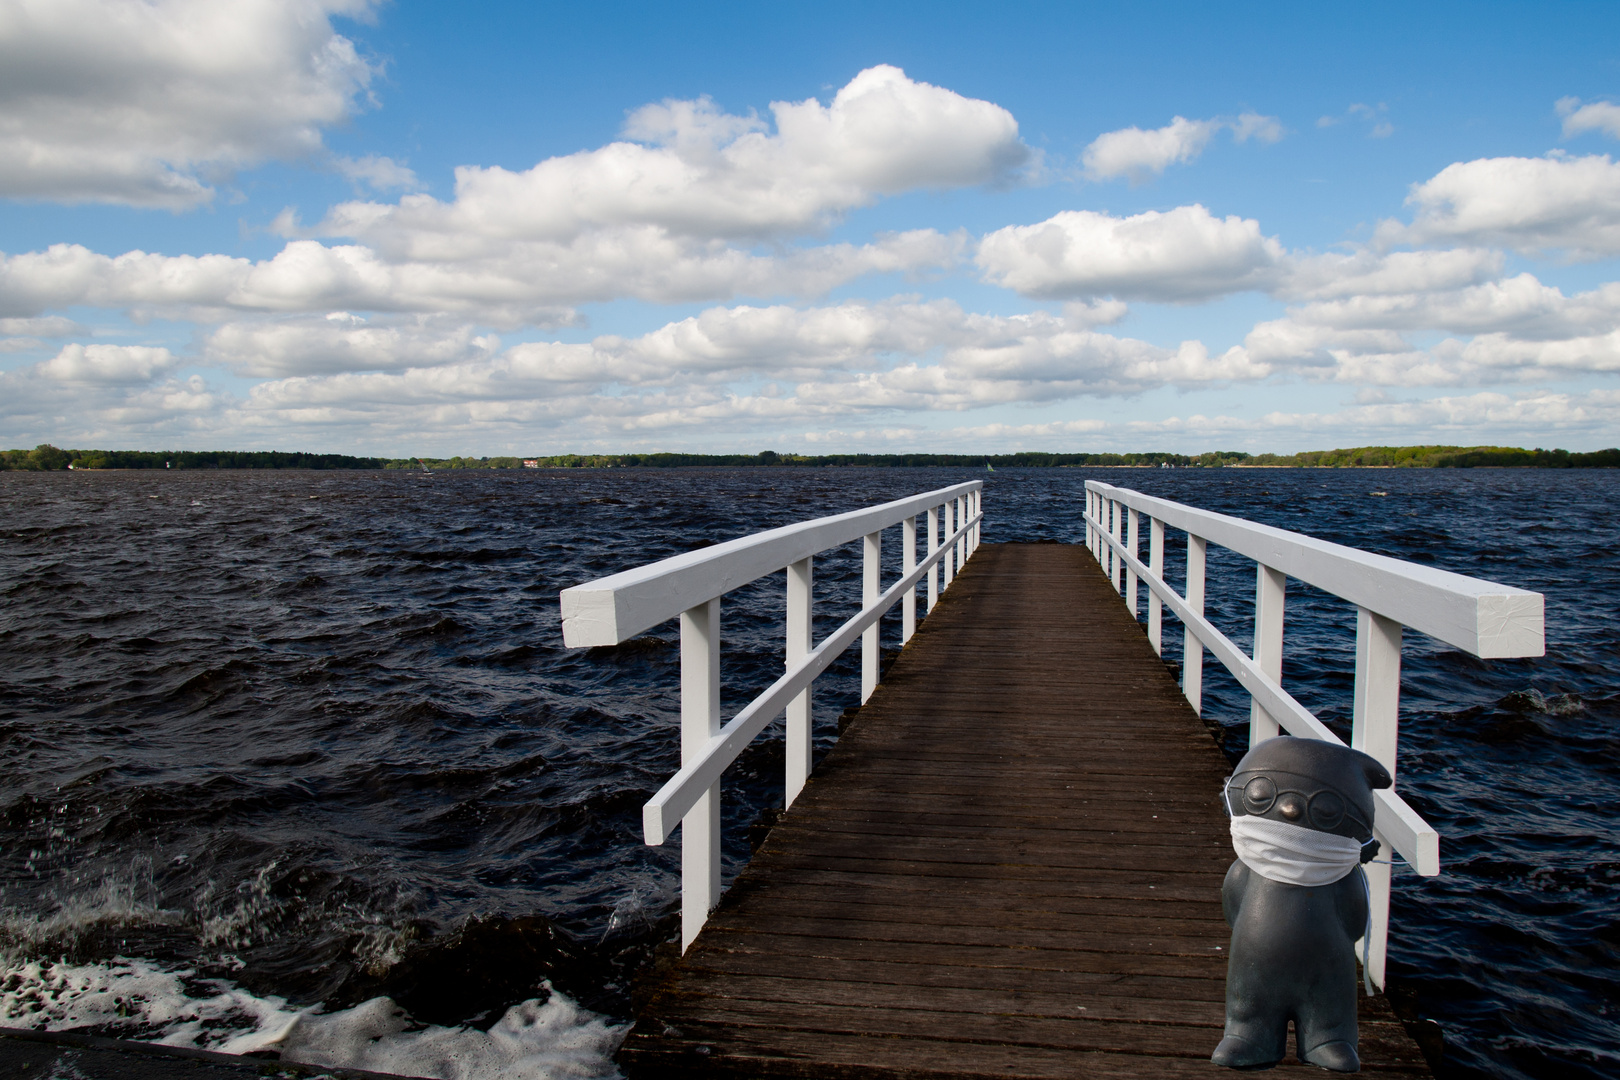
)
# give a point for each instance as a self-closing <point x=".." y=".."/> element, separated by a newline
<point x="1009" y="865"/>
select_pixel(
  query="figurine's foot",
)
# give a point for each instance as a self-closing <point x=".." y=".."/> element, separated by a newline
<point x="1338" y="1056"/>
<point x="1236" y="1053"/>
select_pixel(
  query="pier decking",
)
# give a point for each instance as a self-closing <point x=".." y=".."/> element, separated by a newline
<point x="1010" y="865"/>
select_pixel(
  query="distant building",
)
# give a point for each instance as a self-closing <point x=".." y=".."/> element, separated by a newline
<point x="531" y="463"/>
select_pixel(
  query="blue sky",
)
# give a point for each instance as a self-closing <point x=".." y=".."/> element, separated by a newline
<point x="411" y="228"/>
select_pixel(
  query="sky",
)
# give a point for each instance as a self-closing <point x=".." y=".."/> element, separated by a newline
<point x="411" y="228"/>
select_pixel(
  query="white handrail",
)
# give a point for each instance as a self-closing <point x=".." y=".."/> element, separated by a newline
<point x="680" y="793"/>
<point x="1480" y="617"/>
<point x="616" y="608"/>
<point x="613" y="609"/>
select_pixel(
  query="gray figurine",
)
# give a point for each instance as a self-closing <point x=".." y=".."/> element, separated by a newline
<point x="1297" y="900"/>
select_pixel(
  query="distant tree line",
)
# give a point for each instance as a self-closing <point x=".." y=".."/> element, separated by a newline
<point x="1442" y="457"/>
<point x="47" y="456"/>
<point x="1419" y="457"/>
<point x="770" y="458"/>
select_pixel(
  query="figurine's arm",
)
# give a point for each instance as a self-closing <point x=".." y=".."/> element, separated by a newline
<point x="1232" y="890"/>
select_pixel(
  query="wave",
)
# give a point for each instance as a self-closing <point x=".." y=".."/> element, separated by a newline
<point x="549" y="1038"/>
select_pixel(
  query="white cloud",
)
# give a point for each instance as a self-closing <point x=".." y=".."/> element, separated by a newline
<point x="1178" y="255"/>
<point x="1475" y="419"/>
<point x="1381" y="128"/>
<point x="101" y="364"/>
<point x="150" y="103"/>
<point x="1510" y="330"/>
<point x="379" y="173"/>
<point x="1595" y="116"/>
<point x="1533" y="205"/>
<point x="534" y="284"/>
<point x="1364" y="272"/>
<point x="1137" y="154"/>
<point x="711" y="175"/>
<point x="341" y="342"/>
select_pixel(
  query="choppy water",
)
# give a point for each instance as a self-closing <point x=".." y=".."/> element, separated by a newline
<point x="271" y="741"/>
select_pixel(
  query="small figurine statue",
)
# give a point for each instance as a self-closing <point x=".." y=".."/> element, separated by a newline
<point x="1297" y="900"/>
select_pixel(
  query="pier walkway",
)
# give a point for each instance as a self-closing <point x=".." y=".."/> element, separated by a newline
<point x="1010" y="865"/>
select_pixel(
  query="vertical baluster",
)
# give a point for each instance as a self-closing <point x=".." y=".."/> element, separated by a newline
<point x="961" y="523"/>
<point x="1085" y="524"/>
<point x="949" y="572"/>
<point x="1270" y="589"/>
<point x="1375" y="730"/>
<point x="978" y="512"/>
<point x="933" y="546"/>
<point x="800" y="636"/>
<point x="872" y="550"/>
<point x="1192" y="650"/>
<point x="908" y="563"/>
<point x="1096" y="533"/>
<point x="1134" y="546"/>
<point x="700" y="722"/>
<point x="1116" y="529"/>
<point x="1156" y="564"/>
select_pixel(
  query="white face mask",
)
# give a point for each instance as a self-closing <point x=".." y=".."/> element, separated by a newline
<point x="1293" y="854"/>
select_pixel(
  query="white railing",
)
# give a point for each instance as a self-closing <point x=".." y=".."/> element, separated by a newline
<point x="1479" y="617"/>
<point x="617" y="608"/>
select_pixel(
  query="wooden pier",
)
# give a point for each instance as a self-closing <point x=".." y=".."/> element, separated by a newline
<point x="1010" y="865"/>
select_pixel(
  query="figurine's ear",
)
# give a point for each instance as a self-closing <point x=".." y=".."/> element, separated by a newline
<point x="1377" y="776"/>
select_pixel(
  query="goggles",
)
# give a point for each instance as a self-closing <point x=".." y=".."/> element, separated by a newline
<point x="1324" y="808"/>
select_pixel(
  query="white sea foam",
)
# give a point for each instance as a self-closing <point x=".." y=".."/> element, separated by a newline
<point x="554" y="1040"/>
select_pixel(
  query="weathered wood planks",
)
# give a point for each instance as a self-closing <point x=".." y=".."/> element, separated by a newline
<point x="1010" y="865"/>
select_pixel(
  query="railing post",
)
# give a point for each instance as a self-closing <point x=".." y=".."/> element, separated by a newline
<point x="870" y="566"/>
<point x="1116" y="529"/>
<point x="978" y="526"/>
<point x="1096" y="533"/>
<point x="1192" y="650"/>
<point x="1085" y="523"/>
<point x="961" y="522"/>
<point x="700" y="721"/>
<point x="933" y="546"/>
<point x="908" y="563"/>
<point x="1270" y="589"/>
<point x="1374" y="730"/>
<point x="1134" y="546"/>
<point x="1156" y="564"/>
<point x="800" y="634"/>
<point x="949" y="573"/>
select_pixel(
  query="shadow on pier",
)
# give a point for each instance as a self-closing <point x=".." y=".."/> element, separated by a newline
<point x="1010" y="865"/>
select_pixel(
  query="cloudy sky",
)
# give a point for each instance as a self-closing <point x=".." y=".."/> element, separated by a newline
<point x="423" y="228"/>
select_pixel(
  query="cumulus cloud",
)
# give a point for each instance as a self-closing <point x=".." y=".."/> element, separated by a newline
<point x="534" y="284"/>
<point x="1138" y="155"/>
<point x="340" y="341"/>
<point x="1515" y="329"/>
<point x="820" y="363"/>
<point x="1594" y="116"/>
<point x="1365" y="272"/>
<point x="1472" y="419"/>
<point x="379" y="173"/>
<point x="107" y="364"/>
<point x="149" y="104"/>
<point x="1178" y="255"/>
<point x="1533" y="205"/>
<point x="698" y="172"/>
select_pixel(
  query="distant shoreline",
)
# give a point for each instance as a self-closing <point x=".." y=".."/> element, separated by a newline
<point x="50" y="458"/>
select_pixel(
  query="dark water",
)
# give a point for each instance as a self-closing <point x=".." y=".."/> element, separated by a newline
<point x="317" y="732"/>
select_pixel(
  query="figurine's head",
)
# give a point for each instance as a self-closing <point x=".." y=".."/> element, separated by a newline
<point x="1310" y="783"/>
